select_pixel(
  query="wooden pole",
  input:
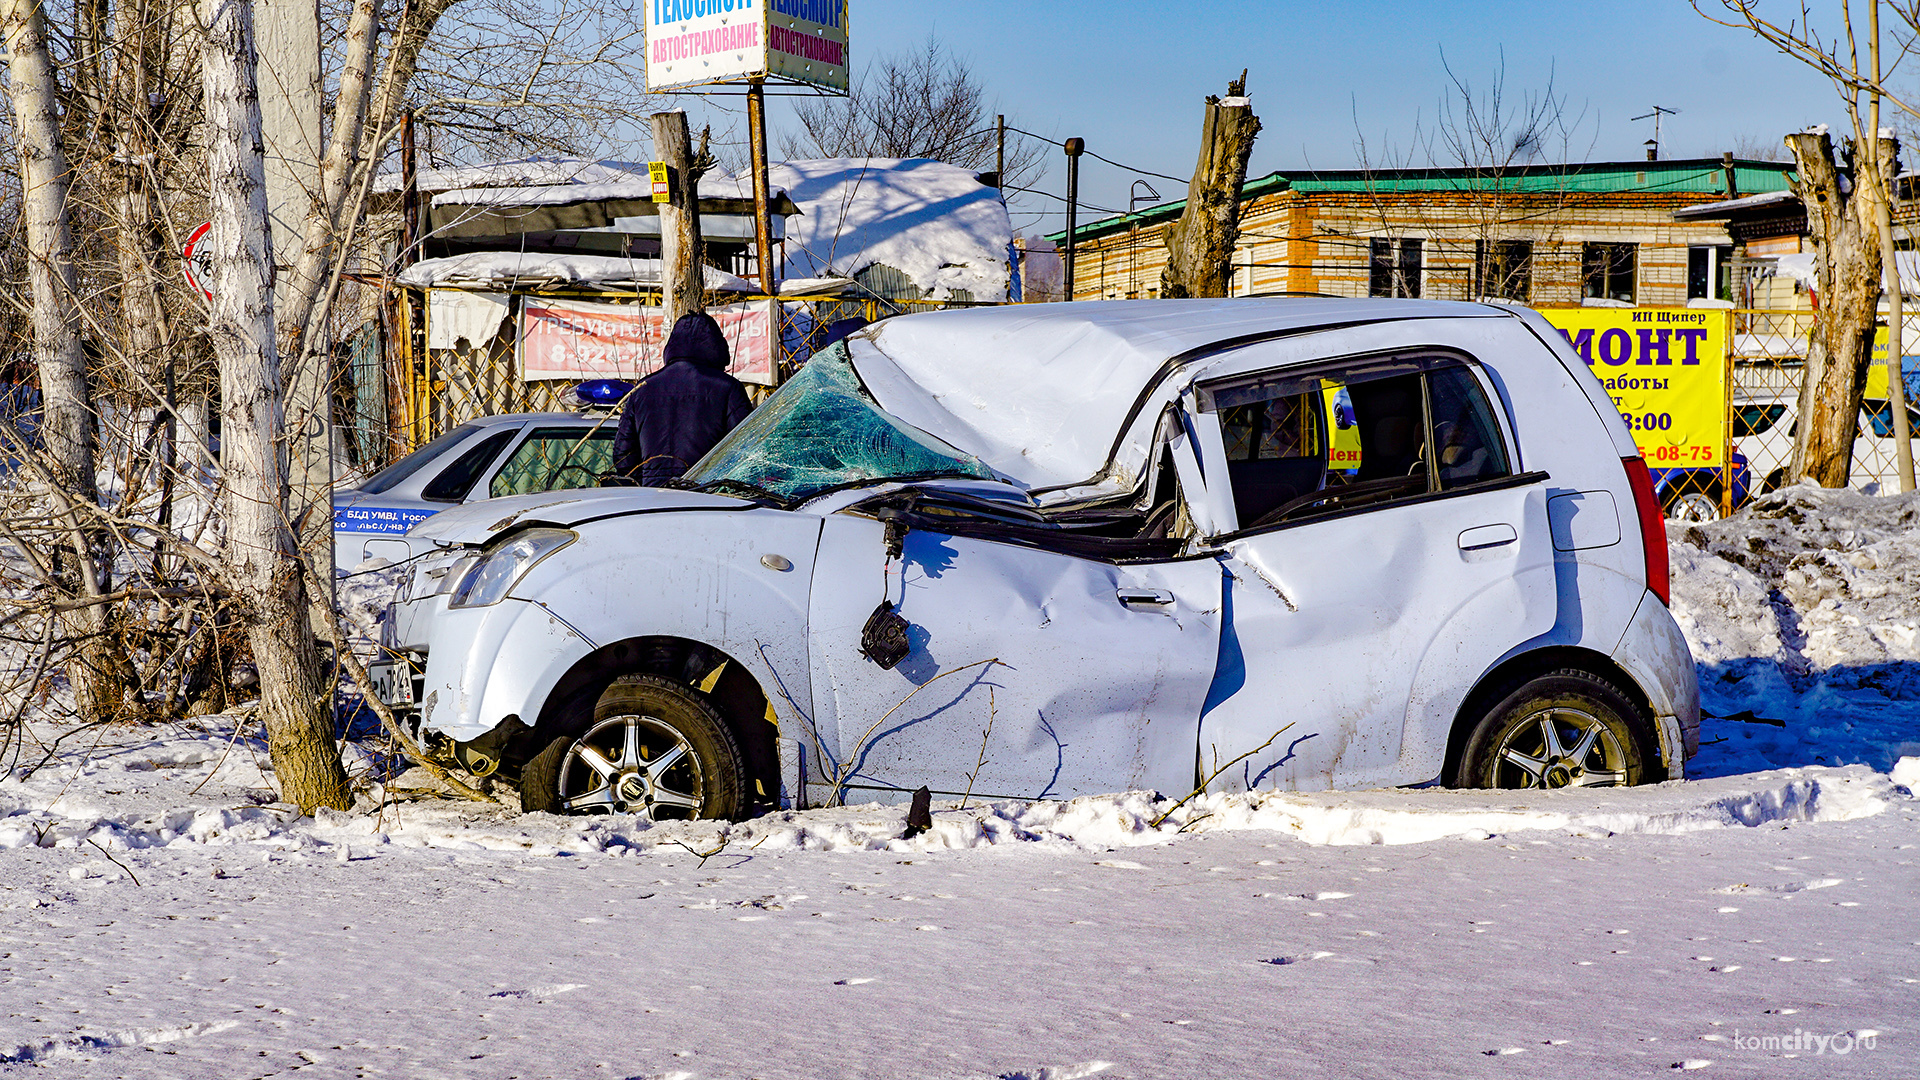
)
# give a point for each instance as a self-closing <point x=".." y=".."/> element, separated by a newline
<point x="762" y="199"/>
<point x="683" y="287"/>
<point x="1883" y="222"/>
<point x="1075" y="147"/>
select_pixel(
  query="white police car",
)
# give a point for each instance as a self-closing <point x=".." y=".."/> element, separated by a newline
<point x="494" y="456"/>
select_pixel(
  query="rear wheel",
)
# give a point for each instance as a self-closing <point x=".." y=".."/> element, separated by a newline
<point x="654" y="747"/>
<point x="1565" y="729"/>
<point x="1695" y="506"/>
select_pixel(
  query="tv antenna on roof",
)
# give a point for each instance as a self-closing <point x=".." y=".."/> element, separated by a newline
<point x="1653" y="144"/>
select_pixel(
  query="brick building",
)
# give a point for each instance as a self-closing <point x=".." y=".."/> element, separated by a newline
<point x="1600" y="233"/>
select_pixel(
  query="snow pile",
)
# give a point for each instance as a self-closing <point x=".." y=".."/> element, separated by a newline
<point x="1803" y="611"/>
<point x="532" y="269"/>
<point x="205" y="785"/>
<point x="549" y="181"/>
<point x="934" y="222"/>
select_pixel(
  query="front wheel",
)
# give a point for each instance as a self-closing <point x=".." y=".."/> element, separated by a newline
<point x="1565" y="729"/>
<point x="654" y="747"/>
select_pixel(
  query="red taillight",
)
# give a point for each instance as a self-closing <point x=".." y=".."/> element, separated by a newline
<point x="1653" y="526"/>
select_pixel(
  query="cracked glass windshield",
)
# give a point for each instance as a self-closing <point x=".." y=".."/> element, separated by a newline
<point x="820" y="431"/>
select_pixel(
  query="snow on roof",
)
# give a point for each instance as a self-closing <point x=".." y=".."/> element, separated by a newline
<point x="492" y="269"/>
<point x="1041" y="391"/>
<point x="935" y="222"/>
<point x="1800" y="266"/>
<point x="1729" y="207"/>
<point x="543" y="181"/>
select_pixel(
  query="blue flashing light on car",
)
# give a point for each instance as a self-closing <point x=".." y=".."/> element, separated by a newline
<point x="602" y="391"/>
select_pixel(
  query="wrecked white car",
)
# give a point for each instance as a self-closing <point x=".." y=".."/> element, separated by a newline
<point x="1052" y="550"/>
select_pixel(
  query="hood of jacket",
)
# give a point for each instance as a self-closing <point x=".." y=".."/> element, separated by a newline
<point x="696" y="338"/>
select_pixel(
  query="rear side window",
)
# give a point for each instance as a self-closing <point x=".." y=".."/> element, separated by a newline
<point x="1880" y="417"/>
<point x="417" y="460"/>
<point x="555" y="459"/>
<point x="457" y="479"/>
<point x="1756" y="419"/>
<point x="1301" y="445"/>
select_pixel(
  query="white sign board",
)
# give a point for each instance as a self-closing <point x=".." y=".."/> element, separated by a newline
<point x="691" y="42"/>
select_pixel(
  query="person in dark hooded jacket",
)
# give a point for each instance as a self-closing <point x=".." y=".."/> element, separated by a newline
<point x="679" y="412"/>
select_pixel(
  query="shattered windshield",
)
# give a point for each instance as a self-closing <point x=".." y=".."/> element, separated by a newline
<point x="820" y="431"/>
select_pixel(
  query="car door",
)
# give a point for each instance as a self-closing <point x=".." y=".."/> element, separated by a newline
<point x="1384" y="551"/>
<point x="1032" y="673"/>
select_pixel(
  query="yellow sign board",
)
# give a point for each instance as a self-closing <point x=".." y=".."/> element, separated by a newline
<point x="1666" y="370"/>
<point x="662" y="186"/>
<point x="1909" y="364"/>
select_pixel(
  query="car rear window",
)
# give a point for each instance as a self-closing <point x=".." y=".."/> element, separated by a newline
<point x="417" y="460"/>
<point x="1880" y="416"/>
<point x="457" y="479"/>
<point x="1756" y="419"/>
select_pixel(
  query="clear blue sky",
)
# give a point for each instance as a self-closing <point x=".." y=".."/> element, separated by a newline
<point x="1129" y="77"/>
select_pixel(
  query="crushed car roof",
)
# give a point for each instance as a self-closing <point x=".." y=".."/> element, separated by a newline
<point x="1040" y="392"/>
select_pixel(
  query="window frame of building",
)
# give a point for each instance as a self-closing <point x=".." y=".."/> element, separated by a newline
<point x="1710" y="265"/>
<point x="1610" y="271"/>
<point x="1394" y="267"/>
<point x="1503" y="269"/>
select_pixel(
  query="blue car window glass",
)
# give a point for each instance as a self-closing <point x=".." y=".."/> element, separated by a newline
<point x="556" y="459"/>
<point x="1756" y="419"/>
<point x="822" y="430"/>
<point x="417" y="460"/>
<point x="457" y="479"/>
<point x="1880" y="415"/>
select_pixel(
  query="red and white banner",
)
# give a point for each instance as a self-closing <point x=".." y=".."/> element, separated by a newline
<point x="574" y="339"/>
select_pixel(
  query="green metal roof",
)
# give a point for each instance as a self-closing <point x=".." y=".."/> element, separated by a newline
<point x="1698" y="175"/>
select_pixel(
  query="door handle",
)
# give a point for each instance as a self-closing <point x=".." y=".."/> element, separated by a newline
<point x="1158" y="597"/>
<point x="1487" y="536"/>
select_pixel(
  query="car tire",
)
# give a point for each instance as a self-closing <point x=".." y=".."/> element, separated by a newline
<point x="1695" y="507"/>
<point x="1567" y="728"/>
<point x="613" y="765"/>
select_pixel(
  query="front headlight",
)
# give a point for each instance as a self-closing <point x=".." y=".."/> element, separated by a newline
<point x="487" y="581"/>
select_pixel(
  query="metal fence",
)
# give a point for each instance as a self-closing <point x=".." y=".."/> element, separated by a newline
<point x="428" y="392"/>
<point x="1768" y="353"/>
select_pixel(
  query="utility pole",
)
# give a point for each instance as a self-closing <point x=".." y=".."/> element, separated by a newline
<point x="683" y="279"/>
<point x="1075" y="147"/>
<point x="1000" y="152"/>
<point x="1890" y="258"/>
<point x="762" y="213"/>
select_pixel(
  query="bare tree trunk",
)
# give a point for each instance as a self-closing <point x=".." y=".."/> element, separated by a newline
<point x="337" y="170"/>
<point x="138" y="247"/>
<point x="1200" y="244"/>
<point x="683" y="289"/>
<point x="262" y="559"/>
<point x="67" y="428"/>
<point x="1848" y="263"/>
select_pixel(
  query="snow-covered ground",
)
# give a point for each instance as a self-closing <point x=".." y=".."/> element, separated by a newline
<point x="164" y="917"/>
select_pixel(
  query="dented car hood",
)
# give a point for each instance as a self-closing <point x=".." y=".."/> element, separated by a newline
<point x="477" y="523"/>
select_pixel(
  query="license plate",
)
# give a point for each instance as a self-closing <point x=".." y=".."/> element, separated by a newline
<point x="392" y="681"/>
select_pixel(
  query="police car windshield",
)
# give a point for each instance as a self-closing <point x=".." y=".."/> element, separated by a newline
<point x="414" y="462"/>
<point x="822" y="430"/>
